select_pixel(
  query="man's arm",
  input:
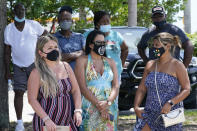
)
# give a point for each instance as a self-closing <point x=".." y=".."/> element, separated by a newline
<point x="142" y="54"/>
<point x="188" y="52"/>
<point x="7" y="61"/>
<point x="72" y="56"/>
<point x="124" y="52"/>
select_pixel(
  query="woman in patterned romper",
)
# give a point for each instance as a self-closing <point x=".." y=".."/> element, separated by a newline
<point x="171" y="75"/>
<point x="98" y="80"/>
<point x="49" y="86"/>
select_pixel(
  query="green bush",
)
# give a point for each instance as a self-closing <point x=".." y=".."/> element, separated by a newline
<point x="193" y="38"/>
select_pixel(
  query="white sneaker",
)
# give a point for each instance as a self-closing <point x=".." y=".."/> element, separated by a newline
<point x="20" y="127"/>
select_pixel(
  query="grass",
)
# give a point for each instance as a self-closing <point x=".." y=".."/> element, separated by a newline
<point x="190" y="115"/>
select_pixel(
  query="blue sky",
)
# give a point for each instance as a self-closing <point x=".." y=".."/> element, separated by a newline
<point x="179" y="23"/>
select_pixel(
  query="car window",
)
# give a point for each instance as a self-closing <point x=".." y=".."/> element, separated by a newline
<point x="131" y="36"/>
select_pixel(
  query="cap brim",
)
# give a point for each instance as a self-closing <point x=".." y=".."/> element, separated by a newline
<point x="160" y="13"/>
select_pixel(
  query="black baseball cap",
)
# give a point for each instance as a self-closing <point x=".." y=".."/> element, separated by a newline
<point x="65" y="8"/>
<point x="158" y="10"/>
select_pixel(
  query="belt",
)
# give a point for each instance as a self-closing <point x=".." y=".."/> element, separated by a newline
<point x="24" y="69"/>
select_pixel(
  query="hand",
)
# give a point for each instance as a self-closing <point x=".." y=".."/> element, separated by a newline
<point x="8" y="75"/>
<point x="77" y="118"/>
<point x="105" y="115"/>
<point x="139" y="112"/>
<point x="102" y="105"/>
<point x="67" y="57"/>
<point x="166" y="108"/>
<point x="50" y="125"/>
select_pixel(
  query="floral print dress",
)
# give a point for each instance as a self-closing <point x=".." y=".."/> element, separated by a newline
<point x="100" y="86"/>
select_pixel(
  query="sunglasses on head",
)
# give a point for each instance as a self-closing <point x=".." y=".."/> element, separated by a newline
<point x="99" y="42"/>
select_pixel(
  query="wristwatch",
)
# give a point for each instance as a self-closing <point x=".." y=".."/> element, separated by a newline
<point x="109" y="103"/>
<point x="171" y="103"/>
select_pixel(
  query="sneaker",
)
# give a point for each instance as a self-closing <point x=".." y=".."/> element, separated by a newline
<point x="20" y="127"/>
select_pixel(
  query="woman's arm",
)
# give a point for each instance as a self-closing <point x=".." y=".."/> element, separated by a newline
<point x="80" y="75"/>
<point x="115" y="82"/>
<point x="114" y="89"/>
<point x="75" y="88"/>
<point x="141" y="91"/>
<point x="183" y="79"/>
<point x="124" y="52"/>
<point x="33" y="89"/>
<point x="76" y="96"/>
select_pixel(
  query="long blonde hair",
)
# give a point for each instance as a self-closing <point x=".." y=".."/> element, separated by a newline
<point x="49" y="83"/>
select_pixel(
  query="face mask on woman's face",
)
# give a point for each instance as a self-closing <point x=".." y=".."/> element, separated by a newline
<point x="105" y="28"/>
<point x="99" y="47"/>
<point x="53" y="55"/>
<point x="65" y="25"/>
<point x="158" y="52"/>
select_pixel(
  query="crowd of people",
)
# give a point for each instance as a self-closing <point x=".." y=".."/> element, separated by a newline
<point x="73" y="79"/>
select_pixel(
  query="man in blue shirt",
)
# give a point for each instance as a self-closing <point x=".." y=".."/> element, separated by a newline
<point x="159" y="20"/>
<point x="70" y="43"/>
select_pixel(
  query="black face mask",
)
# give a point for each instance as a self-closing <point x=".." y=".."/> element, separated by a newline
<point x="53" y="55"/>
<point x="99" y="49"/>
<point x="158" y="52"/>
<point x="159" y="24"/>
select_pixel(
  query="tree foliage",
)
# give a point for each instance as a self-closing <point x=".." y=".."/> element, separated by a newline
<point x="43" y="10"/>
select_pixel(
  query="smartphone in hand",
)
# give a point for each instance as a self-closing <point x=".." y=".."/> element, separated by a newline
<point x="111" y="117"/>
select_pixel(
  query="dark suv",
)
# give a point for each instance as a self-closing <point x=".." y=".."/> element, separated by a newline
<point x="134" y="68"/>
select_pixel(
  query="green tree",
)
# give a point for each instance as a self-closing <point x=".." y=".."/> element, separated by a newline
<point x="4" y="112"/>
<point x="42" y="10"/>
<point x="172" y="7"/>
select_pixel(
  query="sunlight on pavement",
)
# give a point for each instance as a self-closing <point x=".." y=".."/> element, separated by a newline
<point x="27" y="110"/>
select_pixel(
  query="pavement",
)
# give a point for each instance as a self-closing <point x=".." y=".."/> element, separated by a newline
<point x="27" y="109"/>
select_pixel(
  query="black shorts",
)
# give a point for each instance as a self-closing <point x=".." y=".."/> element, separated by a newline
<point x="21" y="75"/>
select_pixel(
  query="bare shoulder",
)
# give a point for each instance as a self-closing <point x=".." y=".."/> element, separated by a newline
<point x="150" y="65"/>
<point x="65" y="63"/>
<point x="34" y="76"/>
<point x="110" y="61"/>
<point x="178" y="64"/>
<point x="82" y="59"/>
<point x="35" y="73"/>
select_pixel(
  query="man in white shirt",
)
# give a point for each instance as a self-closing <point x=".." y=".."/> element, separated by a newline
<point x="20" y="39"/>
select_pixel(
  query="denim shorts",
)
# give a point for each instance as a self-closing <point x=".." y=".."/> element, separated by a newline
<point x="21" y="75"/>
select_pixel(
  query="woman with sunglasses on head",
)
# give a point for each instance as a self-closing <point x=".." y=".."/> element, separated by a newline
<point x="98" y="80"/>
<point x="166" y="83"/>
<point x="49" y="88"/>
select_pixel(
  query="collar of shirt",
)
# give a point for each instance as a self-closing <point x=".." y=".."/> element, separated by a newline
<point x="59" y="35"/>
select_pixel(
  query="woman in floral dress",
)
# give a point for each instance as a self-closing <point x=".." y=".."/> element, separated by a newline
<point x="98" y="80"/>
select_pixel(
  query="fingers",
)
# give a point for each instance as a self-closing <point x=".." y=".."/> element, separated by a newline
<point x="166" y="108"/>
<point x="77" y="118"/>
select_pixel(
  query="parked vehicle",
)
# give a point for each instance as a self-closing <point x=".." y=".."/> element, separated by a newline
<point x="134" y="68"/>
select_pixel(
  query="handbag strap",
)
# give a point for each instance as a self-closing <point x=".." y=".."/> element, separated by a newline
<point x="180" y="103"/>
<point x="156" y="84"/>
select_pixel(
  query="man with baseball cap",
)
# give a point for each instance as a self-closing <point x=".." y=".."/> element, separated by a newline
<point x="159" y="20"/>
